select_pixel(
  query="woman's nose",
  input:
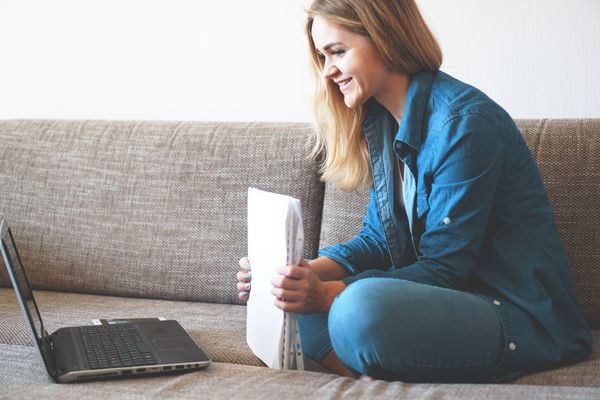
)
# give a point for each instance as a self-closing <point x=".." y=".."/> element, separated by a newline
<point x="329" y="70"/>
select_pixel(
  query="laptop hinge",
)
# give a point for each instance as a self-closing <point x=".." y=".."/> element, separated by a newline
<point x="48" y="351"/>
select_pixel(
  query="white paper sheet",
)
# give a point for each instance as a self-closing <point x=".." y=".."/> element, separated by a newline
<point x="275" y="238"/>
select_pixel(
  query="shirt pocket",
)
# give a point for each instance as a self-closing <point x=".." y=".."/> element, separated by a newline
<point x="422" y="203"/>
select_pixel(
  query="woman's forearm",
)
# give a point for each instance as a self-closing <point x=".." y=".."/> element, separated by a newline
<point x="327" y="269"/>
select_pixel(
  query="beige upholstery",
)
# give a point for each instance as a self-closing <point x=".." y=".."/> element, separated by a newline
<point x="134" y="219"/>
<point x="23" y="377"/>
<point x="146" y="209"/>
<point x="220" y="328"/>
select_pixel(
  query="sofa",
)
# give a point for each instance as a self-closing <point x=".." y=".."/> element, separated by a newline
<point x="123" y="219"/>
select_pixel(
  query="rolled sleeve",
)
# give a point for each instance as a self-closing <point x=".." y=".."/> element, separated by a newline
<point x="366" y="250"/>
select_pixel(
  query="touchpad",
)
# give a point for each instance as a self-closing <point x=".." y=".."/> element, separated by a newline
<point x="173" y="343"/>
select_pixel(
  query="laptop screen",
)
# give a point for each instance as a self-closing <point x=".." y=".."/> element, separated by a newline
<point x="17" y="273"/>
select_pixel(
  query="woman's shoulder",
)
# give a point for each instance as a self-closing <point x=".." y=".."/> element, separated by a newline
<point x="451" y="98"/>
<point x="457" y="110"/>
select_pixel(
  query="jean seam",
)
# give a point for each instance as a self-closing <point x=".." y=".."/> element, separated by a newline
<point x="469" y="365"/>
<point x="323" y="351"/>
<point x="393" y="365"/>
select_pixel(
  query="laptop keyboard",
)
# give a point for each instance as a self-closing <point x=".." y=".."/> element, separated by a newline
<point x="111" y="346"/>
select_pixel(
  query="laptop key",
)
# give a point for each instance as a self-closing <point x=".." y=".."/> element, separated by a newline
<point x="103" y="364"/>
<point x="114" y="346"/>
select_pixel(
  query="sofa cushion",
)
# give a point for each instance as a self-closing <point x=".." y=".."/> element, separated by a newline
<point x="149" y="209"/>
<point x="568" y="156"/>
<point x="219" y="328"/>
<point x="23" y="377"/>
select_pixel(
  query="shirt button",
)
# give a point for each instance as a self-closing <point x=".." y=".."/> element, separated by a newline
<point x="446" y="221"/>
<point x="496" y="302"/>
<point x="512" y="346"/>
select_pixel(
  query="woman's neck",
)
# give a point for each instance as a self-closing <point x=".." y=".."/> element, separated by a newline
<point x="394" y="96"/>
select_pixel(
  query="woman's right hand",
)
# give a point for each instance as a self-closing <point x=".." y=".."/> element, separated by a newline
<point x="244" y="276"/>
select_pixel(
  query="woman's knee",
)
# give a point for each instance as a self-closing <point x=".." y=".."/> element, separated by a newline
<point x="355" y="314"/>
<point x="355" y="318"/>
<point x="380" y="322"/>
<point x="359" y="307"/>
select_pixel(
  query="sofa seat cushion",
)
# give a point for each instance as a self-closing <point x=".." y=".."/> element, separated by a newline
<point x="23" y="376"/>
<point x="219" y="328"/>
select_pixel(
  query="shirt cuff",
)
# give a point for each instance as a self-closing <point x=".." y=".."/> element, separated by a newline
<point x="338" y="253"/>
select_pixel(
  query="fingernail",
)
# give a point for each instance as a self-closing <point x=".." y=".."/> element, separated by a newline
<point x="247" y="276"/>
<point x="247" y="286"/>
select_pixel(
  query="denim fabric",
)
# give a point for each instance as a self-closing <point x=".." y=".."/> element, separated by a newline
<point x="475" y="218"/>
<point x="314" y="335"/>
<point x="395" y="329"/>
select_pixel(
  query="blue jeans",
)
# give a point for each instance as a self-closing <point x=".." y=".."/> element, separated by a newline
<point x="394" y="329"/>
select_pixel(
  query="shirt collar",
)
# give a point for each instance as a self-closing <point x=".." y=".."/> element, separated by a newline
<point x="417" y="98"/>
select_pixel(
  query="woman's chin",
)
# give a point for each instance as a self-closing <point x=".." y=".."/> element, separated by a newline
<point x="353" y="102"/>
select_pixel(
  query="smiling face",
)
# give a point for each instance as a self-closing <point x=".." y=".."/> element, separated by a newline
<point x="351" y="61"/>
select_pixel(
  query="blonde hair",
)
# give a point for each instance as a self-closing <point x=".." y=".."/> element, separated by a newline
<point x="407" y="46"/>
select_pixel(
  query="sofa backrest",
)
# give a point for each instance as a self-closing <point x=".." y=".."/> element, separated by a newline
<point x="568" y="155"/>
<point x="149" y="209"/>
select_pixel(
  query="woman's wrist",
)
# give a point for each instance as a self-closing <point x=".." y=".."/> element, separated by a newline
<point x="327" y="269"/>
<point x="331" y="290"/>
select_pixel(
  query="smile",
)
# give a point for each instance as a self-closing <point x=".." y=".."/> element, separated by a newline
<point x="344" y="84"/>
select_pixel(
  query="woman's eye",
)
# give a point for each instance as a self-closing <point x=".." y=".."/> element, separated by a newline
<point x="338" y="53"/>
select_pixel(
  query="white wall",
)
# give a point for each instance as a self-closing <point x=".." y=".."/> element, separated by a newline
<point x="538" y="58"/>
<point x="153" y="59"/>
<point x="241" y="60"/>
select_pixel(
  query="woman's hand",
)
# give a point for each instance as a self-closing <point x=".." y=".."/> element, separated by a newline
<point x="244" y="277"/>
<point x="298" y="289"/>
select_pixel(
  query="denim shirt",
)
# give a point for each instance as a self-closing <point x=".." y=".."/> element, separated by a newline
<point x="475" y="217"/>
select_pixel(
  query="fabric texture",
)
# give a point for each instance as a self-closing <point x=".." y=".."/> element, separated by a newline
<point x="568" y="155"/>
<point x="398" y="330"/>
<point x="220" y="329"/>
<point x="146" y="209"/>
<point x="477" y="219"/>
<point x="584" y="373"/>
<point x="156" y="209"/>
<point x="24" y="378"/>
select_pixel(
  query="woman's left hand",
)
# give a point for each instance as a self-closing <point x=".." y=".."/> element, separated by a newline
<point x="298" y="289"/>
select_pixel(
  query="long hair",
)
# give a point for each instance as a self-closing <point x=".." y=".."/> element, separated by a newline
<point x="406" y="45"/>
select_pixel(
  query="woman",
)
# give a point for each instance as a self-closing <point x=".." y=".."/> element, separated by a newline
<point x="458" y="274"/>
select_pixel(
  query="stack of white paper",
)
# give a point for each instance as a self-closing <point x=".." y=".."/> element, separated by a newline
<point x="275" y="238"/>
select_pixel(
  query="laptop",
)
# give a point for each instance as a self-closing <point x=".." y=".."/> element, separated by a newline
<point x="84" y="353"/>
